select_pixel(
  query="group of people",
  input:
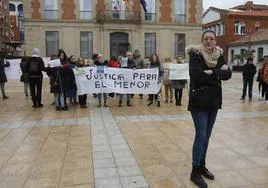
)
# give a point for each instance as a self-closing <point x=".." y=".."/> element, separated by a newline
<point x="63" y="85"/>
<point x="248" y="71"/>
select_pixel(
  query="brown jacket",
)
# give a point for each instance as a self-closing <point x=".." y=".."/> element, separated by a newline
<point x="265" y="74"/>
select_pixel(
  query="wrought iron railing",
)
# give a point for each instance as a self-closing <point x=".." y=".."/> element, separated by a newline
<point x="51" y="14"/>
<point x="115" y="15"/>
<point x="180" y="18"/>
<point x="150" y="17"/>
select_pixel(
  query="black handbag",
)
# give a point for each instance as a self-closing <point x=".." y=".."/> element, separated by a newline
<point x="205" y="96"/>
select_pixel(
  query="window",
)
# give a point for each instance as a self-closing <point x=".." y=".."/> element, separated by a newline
<point x="52" y="42"/>
<point x="243" y="55"/>
<point x="150" y="44"/>
<point x="20" y="7"/>
<point x="12" y="7"/>
<point x="51" y="9"/>
<point x="236" y="28"/>
<point x="86" y="44"/>
<point x="232" y="56"/>
<point x="85" y="9"/>
<point x="150" y="15"/>
<point x="222" y="29"/>
<point x="260" y="54"/>
<point x="240" y="28"/>
<point x="179" y="45"/>
<point x="11" y="23"/>
<point x="243" y="29"/>
<point x="180" y="11"/>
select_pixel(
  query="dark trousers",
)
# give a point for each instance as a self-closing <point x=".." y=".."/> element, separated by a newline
<point x="204" y="120"/>
<point x="82" y="99"/>
<point x="36" y="89"/>
<point x="247" y="82"/>
<point x="266" y="91"/>
<point x="178" y="95"/>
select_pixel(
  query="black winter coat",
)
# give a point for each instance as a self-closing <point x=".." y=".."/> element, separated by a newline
<point x="204" y="88"/>
<point x="3" y="77"/>
<point x="25" y="75"/>
<point x="249" y="70"/>
<point x="40" y="67"/>
<point x="56" y="79"/>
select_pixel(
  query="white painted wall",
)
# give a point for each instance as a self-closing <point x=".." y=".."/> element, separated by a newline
<point x="254" y="46"/>
<point x="211" y="16"/>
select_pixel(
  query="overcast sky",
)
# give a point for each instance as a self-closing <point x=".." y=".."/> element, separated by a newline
<point x="225" y="4"/>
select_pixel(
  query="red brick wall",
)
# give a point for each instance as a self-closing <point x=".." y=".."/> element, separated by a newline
<point x="15" y="28"/>
<point x="36" y="9"/>
<point x="100" y="7"/>
<point x="192" y="11"/>
<point x="165" y="11"/>
<point x="68" y="8"/>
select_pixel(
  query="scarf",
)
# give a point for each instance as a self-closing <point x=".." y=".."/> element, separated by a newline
<point x="211" y="58"/>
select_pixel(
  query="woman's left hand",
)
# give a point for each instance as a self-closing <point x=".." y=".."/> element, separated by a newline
<point x="208" y="72"/>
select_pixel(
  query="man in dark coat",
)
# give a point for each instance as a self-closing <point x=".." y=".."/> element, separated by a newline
<point x="249" y="70"/>
<point x="3" y="77"/>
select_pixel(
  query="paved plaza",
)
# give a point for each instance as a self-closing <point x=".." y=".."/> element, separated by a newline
<point x="129" y="147"/>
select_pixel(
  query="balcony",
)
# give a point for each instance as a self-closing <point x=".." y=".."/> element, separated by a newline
<point x="150" y="17"/>
<point x="180" y="18"/>
<point x="85" y="15"/>
<point x="51" y="14"/>
<point x="120" y="16"/>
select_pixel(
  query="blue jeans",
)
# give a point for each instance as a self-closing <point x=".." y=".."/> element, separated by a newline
<point x="104" y="96"/>
<point x="204" y="120"/>
<point x="59" y="100"/>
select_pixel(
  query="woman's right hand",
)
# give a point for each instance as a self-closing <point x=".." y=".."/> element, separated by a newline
<point x="224" y="67"/>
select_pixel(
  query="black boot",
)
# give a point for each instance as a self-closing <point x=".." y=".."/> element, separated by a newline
<point x="150" y="103"/>
<point x="158" y="103"/>
<point x="205" y="172"/>
<point x="197" y="179"/>
<point x="128" y="103"/>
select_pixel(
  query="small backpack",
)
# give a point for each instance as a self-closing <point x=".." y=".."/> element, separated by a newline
<point x="33" y="67"/>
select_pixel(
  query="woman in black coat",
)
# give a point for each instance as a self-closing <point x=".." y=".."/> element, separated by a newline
<point x="25" y="75"/>
<point x="207" y="69"/>
<point x="3" y="77"/>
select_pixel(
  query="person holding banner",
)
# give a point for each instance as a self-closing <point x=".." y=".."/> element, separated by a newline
<point x="130" y="65"/>
<point x="207" y="69"/>
<point x="81" y="98"/>
<point x="35" y="66"/>
<point x="155" y="63"/>
<point x="3" y="77"/>
<point x="178" y="85"/>
<point x="100" y="63"/>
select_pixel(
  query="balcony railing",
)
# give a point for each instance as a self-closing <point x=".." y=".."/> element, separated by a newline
<point x="51" y="14"/>
<point x="85" y="15"/>
<point x="113" y="15"/>
<point x="180" y="18"/>
<point x="150" y="17"/>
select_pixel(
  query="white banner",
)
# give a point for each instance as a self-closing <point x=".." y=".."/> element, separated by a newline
<point x="14" y="72"/>
<point x="116" y="80"/>
<point x="178" y="71"/>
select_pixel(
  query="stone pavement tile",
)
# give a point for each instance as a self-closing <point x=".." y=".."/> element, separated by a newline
<point x="261" y="161"/>
<point x="237" y="163"/>
<point x="108" y="182"/>
<point x="96" y="148"/>
<point x="22" y="159"/>
<point x="122" y="153"/>
<point x="45" y="170"/>
<point x="256" y="176"/>
<point x="181" y="169"/>
<point x="104" y="163"/>
<point x="42" y="183"/>
<point x="156" y="171"/>
<point x="102" y="155"/>
<point x="119" y="147"/>
<point x="134" y="182"/>
<point x="145" y="158"/>
<point x="16" y="181"/>
<point x="104" y="173"/>
<point x="15" y="169"/>
<point x="169" y="182"/>
<point x="126" y="171"/>
<point x="77" y="154"/>
<point x="69" y="178"/>
<point x="176" y="158"/>
<point x="232" y="179"/>
<point x="79" y="186"/>
<point x="126" y="161"/>
<point x="77" y="164"/>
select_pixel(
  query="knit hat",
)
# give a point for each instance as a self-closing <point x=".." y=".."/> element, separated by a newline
<point x="36" y="52"/>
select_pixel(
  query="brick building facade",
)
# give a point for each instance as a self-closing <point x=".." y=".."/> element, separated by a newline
<point x="83" y="27"/>
<point x="5" y="33"/>
<point x="231" y="25"/>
